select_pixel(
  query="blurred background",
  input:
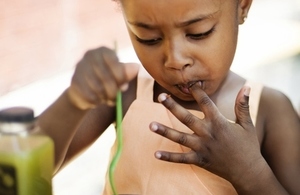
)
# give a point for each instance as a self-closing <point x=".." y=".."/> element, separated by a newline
<point x="41" y="42"/>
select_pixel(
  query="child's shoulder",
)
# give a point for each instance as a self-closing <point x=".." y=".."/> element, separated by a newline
<point x="273" y="99"/>
<point x="276" y="109"/>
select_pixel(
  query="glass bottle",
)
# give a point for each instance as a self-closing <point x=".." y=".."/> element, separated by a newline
<point x="26" y="156"/>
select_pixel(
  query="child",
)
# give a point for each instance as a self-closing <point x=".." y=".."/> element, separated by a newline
<point x="187" y="46"/>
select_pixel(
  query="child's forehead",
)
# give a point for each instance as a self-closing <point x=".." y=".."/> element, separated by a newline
<point x="170" y="3"/>
<point x="172" y="7"/>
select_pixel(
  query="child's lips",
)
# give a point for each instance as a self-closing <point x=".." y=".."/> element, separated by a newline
<point x="185" y="87"/>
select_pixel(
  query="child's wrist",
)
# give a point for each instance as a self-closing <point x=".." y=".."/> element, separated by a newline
<point x="259" y="180"/>
<point x="78" y="101"/>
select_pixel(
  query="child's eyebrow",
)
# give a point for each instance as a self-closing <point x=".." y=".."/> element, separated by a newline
<point x="196" y="19"/>
<point x="143" y="25"/>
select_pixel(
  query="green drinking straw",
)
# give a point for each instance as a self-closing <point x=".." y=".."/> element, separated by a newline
<point x="119" y="116"/>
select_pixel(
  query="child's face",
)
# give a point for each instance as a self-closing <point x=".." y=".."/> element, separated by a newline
<point x="180" y="42"/>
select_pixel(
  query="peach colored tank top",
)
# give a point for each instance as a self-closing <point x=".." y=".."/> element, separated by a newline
<point x="138" y="172"/>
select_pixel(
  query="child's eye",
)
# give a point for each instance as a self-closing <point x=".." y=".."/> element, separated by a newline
<point x="200" y="36"/>
<point x="148" y="41"/>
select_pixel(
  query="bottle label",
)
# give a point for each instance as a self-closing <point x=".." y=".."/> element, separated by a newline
<point x="8" y="180"/>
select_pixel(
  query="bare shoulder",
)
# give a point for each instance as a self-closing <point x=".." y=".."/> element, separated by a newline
<point x="276" y="112"/>
<point x="281" y="145"/>
<point x="276" y="106"/>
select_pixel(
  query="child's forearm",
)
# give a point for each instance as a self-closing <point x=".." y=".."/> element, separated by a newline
<point x="60" y="121"/>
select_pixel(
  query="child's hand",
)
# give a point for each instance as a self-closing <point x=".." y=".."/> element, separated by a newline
<point x="230" y="150"/>
<point x="98" y="77"/>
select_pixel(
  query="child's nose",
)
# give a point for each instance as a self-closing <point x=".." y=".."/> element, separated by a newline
<point x="177" y="56"/>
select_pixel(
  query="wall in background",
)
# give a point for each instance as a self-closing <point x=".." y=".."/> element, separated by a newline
<point x="39" y="39"/>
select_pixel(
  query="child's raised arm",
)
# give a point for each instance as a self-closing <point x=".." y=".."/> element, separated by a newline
<point x="86" y="108"/>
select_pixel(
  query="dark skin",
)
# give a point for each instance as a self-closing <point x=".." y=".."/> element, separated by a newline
<point x="210" y="136"/>
<point x="263" y="160"/>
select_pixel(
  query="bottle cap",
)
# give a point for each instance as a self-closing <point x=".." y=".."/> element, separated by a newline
<point x="17" y="114"/>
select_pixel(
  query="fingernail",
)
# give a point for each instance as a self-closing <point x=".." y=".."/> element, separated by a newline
<point x="158" y="155"/>
<point x="110" y="103"/>
<point x="200" y="83"/>
<point x="197" y="83"/>
<point x="247" y="91"/>
<point x="124" y="87"/>
<point x="162" y="97"/>
<point x="153" y="127"/>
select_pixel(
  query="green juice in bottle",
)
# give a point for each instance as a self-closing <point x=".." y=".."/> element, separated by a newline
<point x="26" y="156"/>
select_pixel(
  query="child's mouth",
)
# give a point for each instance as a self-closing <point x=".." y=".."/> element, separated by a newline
<point x="185" y="88"/>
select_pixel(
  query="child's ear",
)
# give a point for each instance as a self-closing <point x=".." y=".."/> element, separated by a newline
<point x="243" y="9"/>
